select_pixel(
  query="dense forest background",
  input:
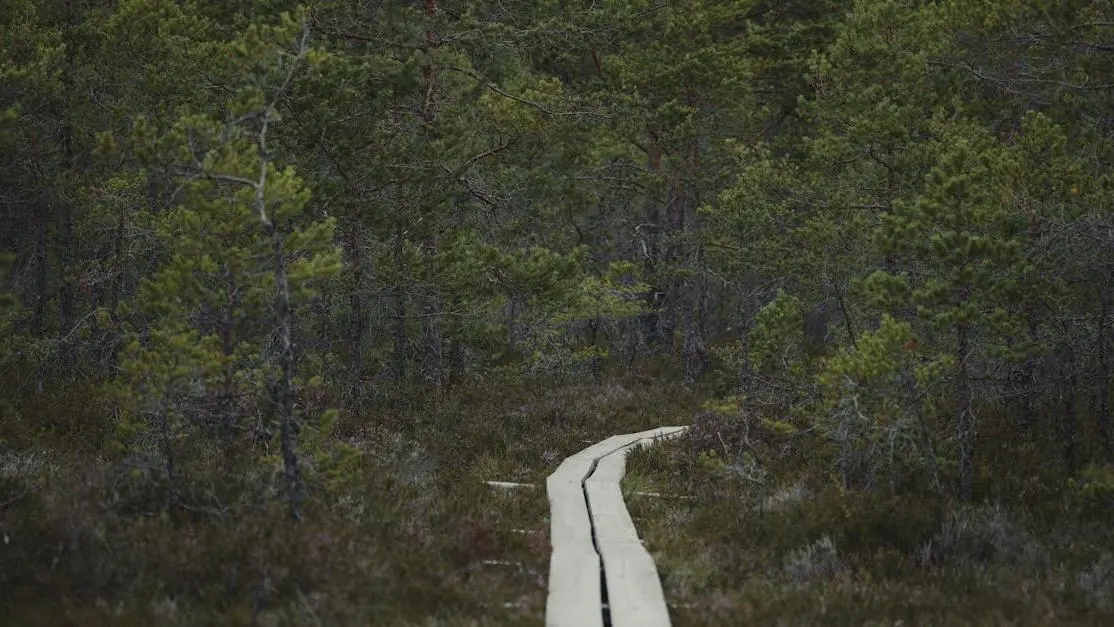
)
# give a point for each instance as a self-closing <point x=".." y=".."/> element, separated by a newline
<point x="255" y="250"/>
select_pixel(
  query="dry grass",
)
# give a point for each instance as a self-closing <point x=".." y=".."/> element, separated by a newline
<point x="408" y="535"/>
<point x="797" y="550"/>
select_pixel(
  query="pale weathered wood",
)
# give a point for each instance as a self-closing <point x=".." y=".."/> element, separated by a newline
<point x="574" y="598"/>
<point x="659" y="495"/>
<point x="574" y="566"/>
<point x="509" y="485"/>
<point x="634" y="589"/>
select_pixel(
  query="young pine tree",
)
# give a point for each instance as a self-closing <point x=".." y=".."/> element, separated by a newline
<point x="963" y="257"/>
<point x="243" y="253"/>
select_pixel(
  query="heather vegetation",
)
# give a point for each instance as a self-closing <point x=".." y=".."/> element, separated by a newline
<point x="283" y="285"/>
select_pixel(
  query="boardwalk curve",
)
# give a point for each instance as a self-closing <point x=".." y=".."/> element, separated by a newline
<point x="599" y="572"/>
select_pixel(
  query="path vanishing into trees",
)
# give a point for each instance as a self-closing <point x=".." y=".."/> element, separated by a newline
<point x="599" y="572"/>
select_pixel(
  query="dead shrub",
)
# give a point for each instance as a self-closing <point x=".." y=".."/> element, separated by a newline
<point x="1097" y="582"/>
<point x="817" y="560"/>
<point x="786" y="497"/>
<point x="981" y="536"/>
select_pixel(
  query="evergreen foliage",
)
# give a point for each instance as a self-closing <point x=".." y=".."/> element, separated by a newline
<point x="236" y="237"/>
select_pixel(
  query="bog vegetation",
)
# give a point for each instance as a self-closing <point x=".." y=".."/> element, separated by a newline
<point x="281" y="285"/>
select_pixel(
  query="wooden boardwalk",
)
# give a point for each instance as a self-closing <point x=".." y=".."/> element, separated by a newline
<point x="599" y="572"/>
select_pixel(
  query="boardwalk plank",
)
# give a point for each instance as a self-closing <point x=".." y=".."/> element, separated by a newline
<point x="633" y="586"/>
<point x="574" y="598"/>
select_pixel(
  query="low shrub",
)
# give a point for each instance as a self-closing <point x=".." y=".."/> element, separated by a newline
<point x="979" y="536"/>
<point x="814" y="561"/>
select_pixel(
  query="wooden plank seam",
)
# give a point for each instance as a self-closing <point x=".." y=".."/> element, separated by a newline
<point x="591" y="533"/>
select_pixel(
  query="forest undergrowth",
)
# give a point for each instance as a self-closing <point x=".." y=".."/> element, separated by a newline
<point x="783" y="542"/>
<point x="409" y="534"/>
<point x="283" y="282"/>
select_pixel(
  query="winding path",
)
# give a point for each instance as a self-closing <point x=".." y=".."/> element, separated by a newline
<point x="599" y="572"/>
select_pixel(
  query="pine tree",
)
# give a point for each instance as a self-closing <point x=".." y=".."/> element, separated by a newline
<point x="244" y="249"/>
<point x="965" y="258"/>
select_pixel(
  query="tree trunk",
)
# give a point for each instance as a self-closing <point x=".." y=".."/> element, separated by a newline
<point x="116" y="285"/>
<point x="432" y="342"/>
<point x="358" y="329"/>
<point x="695" y="350"/>
<point x="41" y="295"/>
<point x="848" y="323"/>
<point x="692" y="288"/>
<point x="1103" y="413"/>
<point x="401" y="289"/>
<point x="429" y="72"/>
<point x="1030" y="307"/>
<point x="65" y="280"/>
<point x="1069" y="424"/>
<point x="923" y="432"/>
<point x="673" y="306"/>
<point x="595" y="362"/>
<point x="288" y="427"/>
<point x="66" y="200"/>
<point x="512" y="310"/>
<point x="745" y="374"/>
<point x="227" y="330"/>
<point x="166" y="442"/>
<point x="1029" y="377"/>
<point x="651" y="234"/>
<point x="965" y="415"/>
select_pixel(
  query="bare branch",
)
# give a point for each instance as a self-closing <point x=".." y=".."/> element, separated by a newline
<point x="483" y="155"/>
<point x="530" y="103"/>
<point x="229" y="178"/>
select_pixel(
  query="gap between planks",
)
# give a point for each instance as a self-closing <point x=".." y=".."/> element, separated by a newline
<point x="595" y="544"/>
